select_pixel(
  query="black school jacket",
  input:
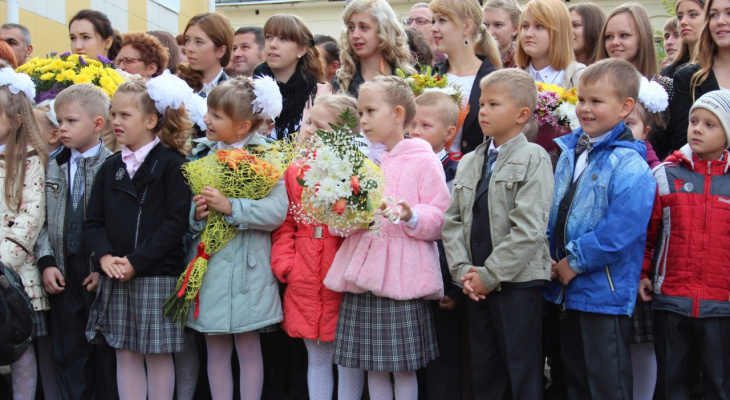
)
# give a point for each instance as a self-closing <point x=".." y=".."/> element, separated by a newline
<point x="143" y="218"/>
<point x="472" y="135"/>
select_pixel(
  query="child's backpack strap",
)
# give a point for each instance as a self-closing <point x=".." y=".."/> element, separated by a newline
<point x="16" y="317"/>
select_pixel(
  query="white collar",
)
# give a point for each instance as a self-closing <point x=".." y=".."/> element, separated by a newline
<point x="2" y="149"/>
<point x="599" y="137"/>
<point x="207" y="87"/>
<point x="491" y="144"/>
<point x="547" y="75"/>
<point x="442" y="155"/>
<point x="237" y="145"/>
<point x="88" y="153"/>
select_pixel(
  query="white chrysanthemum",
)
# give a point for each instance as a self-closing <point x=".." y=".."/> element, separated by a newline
<point x="328" y="190"/>
<point x="450" y="90"/>
<point x="567" y="110"/>
<point x="314" y="175"/>
<point x="343" y="189"/>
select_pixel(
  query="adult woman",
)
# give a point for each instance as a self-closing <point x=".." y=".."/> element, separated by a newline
<point x="170" y="44"/>
<point x="472" y="54"/>
<point x="91" y="33"/>
<point x="587" y="20"/>
<point x="293" y="61"/>
<point x="141" y="54"/>
<point x="208" y="44"/>
<point x="372" y="43"/>
<point x="502" y="18"/>
<point x="691" y="17"/>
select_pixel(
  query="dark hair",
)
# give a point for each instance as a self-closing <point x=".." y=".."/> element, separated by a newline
<point x="420" y="48"/>
<point x="330" y="50"/>
<point x="321" y="39"/>
<point x="7" y="54"/>
<point x="102" y="27"/>
<point x="180" y="39"/>
<point x="193" y="78"/>
<point x="291" y="27"/>
<point x="257" y="32"/>
<point x="149" y="48"/>
<point x="593" y="18"/>
<point x="173" y="52"/>
<point x="219" y="30"/>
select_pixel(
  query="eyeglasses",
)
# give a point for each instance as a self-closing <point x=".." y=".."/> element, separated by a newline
<point x="126" y="61"/>
<point x="418" y="21"/>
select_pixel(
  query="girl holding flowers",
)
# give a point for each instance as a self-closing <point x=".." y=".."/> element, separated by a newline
<point x="136" y="218"/>
<point x="301" y="256"/>
<point x="23" y="208"/>
<point x="239" y="294"/>
<point x="385" y="324"/>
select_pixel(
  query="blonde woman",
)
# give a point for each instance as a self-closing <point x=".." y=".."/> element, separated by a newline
<point x="502" y="19"/>
<point x="472" y="54"/>
<point x="372" y="43"/>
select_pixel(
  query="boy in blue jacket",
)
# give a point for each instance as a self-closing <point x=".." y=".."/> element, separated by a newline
<point x="603" y="197"/>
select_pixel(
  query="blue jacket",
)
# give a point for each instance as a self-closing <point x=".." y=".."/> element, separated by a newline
<point x="605" y="231"/>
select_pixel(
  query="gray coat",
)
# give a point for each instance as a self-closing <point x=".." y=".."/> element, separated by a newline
<point x="49" y="249"/>
<point x="239" y="292"/>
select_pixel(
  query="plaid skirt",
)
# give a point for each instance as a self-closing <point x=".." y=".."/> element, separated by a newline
<point x="642" y="323"/>
<point x="129" y="315"/>
<point x="41" y="323"/>
<point x="382" y="334"/>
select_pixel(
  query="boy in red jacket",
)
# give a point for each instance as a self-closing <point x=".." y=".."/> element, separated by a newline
<point x="688" y="245"/>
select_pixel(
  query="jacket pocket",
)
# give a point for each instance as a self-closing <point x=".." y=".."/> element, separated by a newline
<point x="464" y="190"/>
<point x="514" y="171"/>
<point x="52" y="188"/>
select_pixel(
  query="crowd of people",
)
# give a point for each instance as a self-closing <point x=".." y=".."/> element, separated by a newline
<point x="601" y="252"/>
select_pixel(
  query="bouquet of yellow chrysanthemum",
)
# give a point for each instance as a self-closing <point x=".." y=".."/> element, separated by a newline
<point x="238" y="173"/>
<point x="51" y="75"/>
<point x="555" y="113"/>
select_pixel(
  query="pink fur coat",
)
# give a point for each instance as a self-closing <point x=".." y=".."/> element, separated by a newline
<point x="396" y="261"/>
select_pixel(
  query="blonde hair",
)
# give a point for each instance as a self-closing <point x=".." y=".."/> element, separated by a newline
<point x="338" y="104"/>
<point x="294" y="29"/>
<point x="235" y="98"/>
<point x="618" y="73"/>
<point x="517" y="83"/>
<point x="646" y="57"/>
<point x="396" y="92"/>
<point x="173" y="126"/>
<point x="391" y="37"/>
<point x="511" y="7"/>
<point x="87" y="97"/>
<point x="447" y="111"/>
<point x="23" y="133"/>
<point x="464" y="11"/>
<point x="555" y="17"/>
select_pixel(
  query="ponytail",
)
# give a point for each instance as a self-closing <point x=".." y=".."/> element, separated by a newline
<point x="174" y="128"/>
<point x="486" y="46"/>
<point x="116" y="45"/>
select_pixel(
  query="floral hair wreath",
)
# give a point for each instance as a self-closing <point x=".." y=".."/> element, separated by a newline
<point x="169" y="91"/>
<point x="17" y="82"/>
<point x="268" y="102"/>
<point x="653" y="96"/>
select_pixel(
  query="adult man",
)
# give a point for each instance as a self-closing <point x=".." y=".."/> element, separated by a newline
<point x="18" y="37"/>
<point x="248" y="50"/>
<point x="420" y="17"/>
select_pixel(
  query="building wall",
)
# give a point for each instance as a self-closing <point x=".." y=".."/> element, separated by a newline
<point x="325" y="17"/>
<point x="47" y="19"/>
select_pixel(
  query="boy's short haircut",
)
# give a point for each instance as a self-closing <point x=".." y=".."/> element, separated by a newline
<point x="518" y="84"/>
<point x="619" y="74"/>
<point x="445" y="106"/>
<point x="89" y="97"/>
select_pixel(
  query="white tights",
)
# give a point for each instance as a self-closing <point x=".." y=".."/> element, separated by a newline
<point x="156" y="383"/>
<point x="319" y="371"/>
<point x="220" y="374"/>
<point x="350" y="382"/>
<point x="643" y="367"/>
<point x="25" y="376"/>
<point x="406" y="385"/>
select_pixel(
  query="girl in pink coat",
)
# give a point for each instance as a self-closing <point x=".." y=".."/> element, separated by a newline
<point x="385" y="324"/>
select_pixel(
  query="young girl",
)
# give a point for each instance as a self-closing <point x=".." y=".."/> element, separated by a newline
<point x="502" y="19"/>
<point x="472" y="54"/>
<point x="710" y="71"/>
<point x="208" y="44"/>
<point x="22" y="205"/>
<point x="294" y="62"/>
<point x="301" y="256"/>
<point x="136" y="218"/>
<point x="587" y="20"/>
<point x="545" y="48"/>
<point x="91" y="33"/>
<point x="239" y="295"/>
<point x="691" y="18"/>
<point x="385" y="324"/>
<point x="372" y="43"/>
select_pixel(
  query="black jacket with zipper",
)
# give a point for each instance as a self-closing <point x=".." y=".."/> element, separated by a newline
<point x="143" y="218"/>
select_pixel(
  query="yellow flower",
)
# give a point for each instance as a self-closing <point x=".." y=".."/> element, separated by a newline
<point x="82" y="78"/>
<point x="47" y="76"/>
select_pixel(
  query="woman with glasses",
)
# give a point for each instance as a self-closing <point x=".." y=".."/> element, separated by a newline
<point x="141" y="54"/>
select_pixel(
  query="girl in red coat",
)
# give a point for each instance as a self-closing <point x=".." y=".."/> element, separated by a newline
<point x="301" y="256"/>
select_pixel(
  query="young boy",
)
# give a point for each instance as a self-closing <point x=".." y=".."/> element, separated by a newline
<point x="603" y="198"/>
<point x="494" y="236"/>
<point x="81" y="111"/>
<point x="435" y="122"/>
<point x="689" y="239"/>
